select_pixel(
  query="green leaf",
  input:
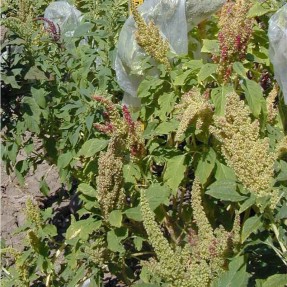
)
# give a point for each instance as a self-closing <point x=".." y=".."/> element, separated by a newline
<point x="32" y="108"/>
<point x="50" y="230"/>
<point x="114" y="238"/>
<point x="89" y="122"/>
<point x="182" y="78"/>
<point x="218" y="97"/>
<point x="86" y="189"/>
<point x="35" y="73"/>
<point x="148" y="85"/>
<point x="44" y="187"/>
<point x="32" y="123"/>
<point x="115" y="218"/>
<point x="224" y="172"/>
<point x="210" y="46"/>
<point x="92" y="147"/>
<point x="138" y="242"/>
<point x="166" y="127"/>
<point x="247" y="203"/>
<point x="251" y="225"/>
<point x="225" y="190"/>
<point x="83" y="30"/>
<point x="10" y="80"/>
<point x="278" y="280"/>
<point x="77" y="276"/>
<point x="235" y="276"/>
<point x="64" y="159"/>
<point x="239" y="69"/>
<point x="82" y="228"/>
<point x="254" y="96"/>
<point x="205" y="165"/>
<point x="157" y="194"/>
<point x="174" y="173"/>
<point x="259" y="9"/>
<point x="40" y="96"/>
<point x="134" y="213"/>
<point x="131" y="173"/>
<point x="206" y="71"/>
<point x="166" y="102"/>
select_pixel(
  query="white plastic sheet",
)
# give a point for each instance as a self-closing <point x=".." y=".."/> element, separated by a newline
<point x="174" y="18"/>
<point x="65" y="15"/>
<point x="277" y="34"/>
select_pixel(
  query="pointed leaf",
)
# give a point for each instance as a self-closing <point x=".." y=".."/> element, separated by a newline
<point x="225" y="190"/>
<point x="251" y="225"/>
<point x="92" y="146"/>
<point x="174" y="173"/>
<point x="205" y="165"/>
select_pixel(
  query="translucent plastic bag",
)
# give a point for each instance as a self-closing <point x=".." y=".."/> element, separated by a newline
<point x="65" y="15"/>
<point x="174" y="18"/>
<point x="277" y="34"/>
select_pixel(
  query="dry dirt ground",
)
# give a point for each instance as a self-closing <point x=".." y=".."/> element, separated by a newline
<point x="14" y="197"/>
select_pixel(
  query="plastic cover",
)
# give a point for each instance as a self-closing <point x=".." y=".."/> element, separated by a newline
<point x="174" y="18"/>
<point x="277" y="34"/>
<point x="65" y="15"/>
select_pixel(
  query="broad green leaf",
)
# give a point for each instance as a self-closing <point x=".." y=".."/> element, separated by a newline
<point x="225" y="190"/>
<point x="218" y="97"/>
<point x="86" y="189"/>
<point x="193" y="65"/>
<point x="206" y="71"/>
<point x="254" y="96"/>
<point x="114" y="238"/>
<point x="205" y="165"/>
<point x="35" y="73"/>
<point x="134" y="213"/>
<point x="10" y="80"/>
<point x="247" y="203"/>
<point x="166" y="127"/>
<point x="131" y="173"/>
<point x="50" y="230"/>
<point x="83" y="30"/>
<point x="251" y="225"/>
<point x="157" y="194"/>
<point x="174" y="173"/>
<point x="224" y="172"/>
<point x="278" y="280"/>
<point x="92" y="146"/>
<point x="32" y="123"/>
<point x="239" y="69"/>
<point x="32" y="108"/>
<point x="235" y="276"/>
<point x="181" y="79"/>
<point x="210" y="46"/>
<point x="259" y="9"/>
<point x="148" y="85"/>
<point x="166" y="102"/>
<point x="64" y="159"/>
<point x="82" y="228"/>
<point x="115" y="218"/>
<point x="40" y="96"/>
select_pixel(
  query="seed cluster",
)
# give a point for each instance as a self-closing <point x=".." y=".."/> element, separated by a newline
<point x="234" y="35"/>
<point x="149" y="38"/>
<point x="243" y="149"/>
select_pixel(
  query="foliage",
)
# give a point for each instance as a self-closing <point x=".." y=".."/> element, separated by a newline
<point x="189" y="190"/>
